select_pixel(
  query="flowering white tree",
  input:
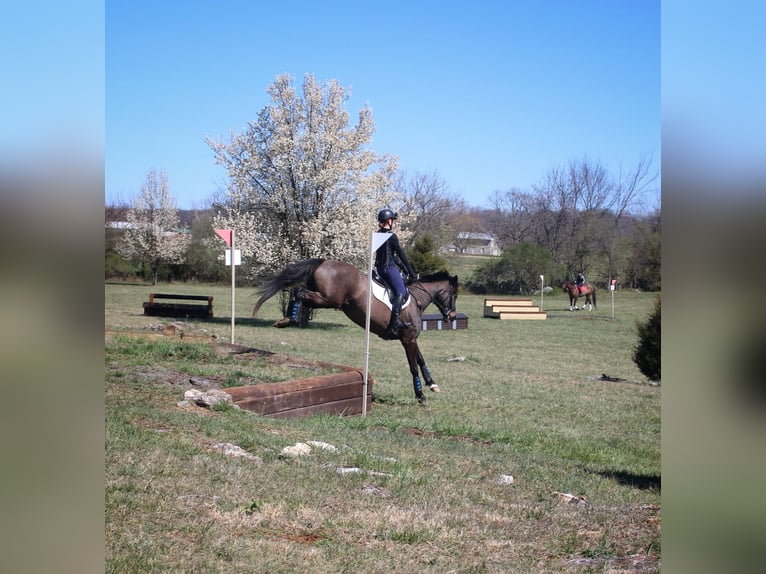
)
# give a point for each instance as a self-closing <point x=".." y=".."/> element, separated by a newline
<point x="301" y="182"/>
<point x="152" y="233"/>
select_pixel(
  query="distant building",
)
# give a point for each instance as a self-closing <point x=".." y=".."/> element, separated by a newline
<point x="129" y="225"/>
<point x="469" y="243"/>
<point x="119" y="225"/>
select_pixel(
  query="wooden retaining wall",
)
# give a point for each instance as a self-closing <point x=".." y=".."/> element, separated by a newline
<point x="337" y="393"/>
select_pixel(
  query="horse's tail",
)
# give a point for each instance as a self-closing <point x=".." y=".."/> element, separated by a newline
<point x="594" y="296"/>
<point x="291" y="275"/>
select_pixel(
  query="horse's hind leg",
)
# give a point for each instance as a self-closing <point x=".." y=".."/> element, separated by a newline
<point x="312" y="298"/>
<point x="427" y="374"/>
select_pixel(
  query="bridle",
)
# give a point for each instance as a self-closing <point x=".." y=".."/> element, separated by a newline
<point x="431" y="299"/>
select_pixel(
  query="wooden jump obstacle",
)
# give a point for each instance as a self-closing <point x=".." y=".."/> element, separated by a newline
<point x="519" y="309"/>
<point x="158" y="309"/>
<point x="435" y="322"/>
<point x="338" y="393"/>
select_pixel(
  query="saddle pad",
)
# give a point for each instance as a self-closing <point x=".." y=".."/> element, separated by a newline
<point x="381" y="294"/>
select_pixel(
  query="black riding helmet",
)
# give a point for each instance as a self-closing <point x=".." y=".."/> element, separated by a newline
<point x="385" y="214"/>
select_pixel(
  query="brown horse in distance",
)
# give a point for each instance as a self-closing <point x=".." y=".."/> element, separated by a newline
<point x="588" y="290"/>
<point x="330" y="284"/>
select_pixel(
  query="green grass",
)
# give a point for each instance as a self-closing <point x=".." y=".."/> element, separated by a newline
<point x="524" y="401"/>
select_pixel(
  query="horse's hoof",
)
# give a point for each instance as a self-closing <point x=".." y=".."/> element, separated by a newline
<point x="435" y="388"/>
<point x="422" y="401"/>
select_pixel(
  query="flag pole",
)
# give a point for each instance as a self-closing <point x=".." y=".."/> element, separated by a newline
<point x="376" y="240"/>
<point x="233" y="269"/>
<point x="367" y="327"/>
<point x="228" y="237"/>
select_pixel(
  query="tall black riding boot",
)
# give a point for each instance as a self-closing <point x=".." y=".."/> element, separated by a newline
<point x="396" y="310"/>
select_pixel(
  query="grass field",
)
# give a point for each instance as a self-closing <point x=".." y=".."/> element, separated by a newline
<point x="519" y="398"/>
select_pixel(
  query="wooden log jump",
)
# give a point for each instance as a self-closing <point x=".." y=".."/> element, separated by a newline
<point x="500" y="308"/>
<point x="337" y="393"/>
<point x="435" y="322"/>
<point x="159" y="309"/>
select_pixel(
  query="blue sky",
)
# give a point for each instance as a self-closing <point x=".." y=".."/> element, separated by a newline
<point x="488" y="96"/>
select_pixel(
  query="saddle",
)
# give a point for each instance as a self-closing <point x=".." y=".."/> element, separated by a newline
<point x="383" y="293"/>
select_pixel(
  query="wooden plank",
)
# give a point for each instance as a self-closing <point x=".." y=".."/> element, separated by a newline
<point x="208" y="298"/>
<point x="337" y="393"/>
<point x="514" y="309"/>
<point x="506" y="301"/>
<point x="292" y="386"/>
<point x="298" y="399"/>
<point x="524" y="316"/>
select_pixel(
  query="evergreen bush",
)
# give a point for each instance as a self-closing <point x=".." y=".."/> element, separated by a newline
<point x="647" y="354"/>
<point x="424" y="257"/>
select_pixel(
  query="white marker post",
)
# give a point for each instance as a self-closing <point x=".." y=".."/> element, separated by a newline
<point x="542" y="285"/>
<point x="376" y="240"/>
<point x="233" y="257"/>
<point x="612" y="283"/>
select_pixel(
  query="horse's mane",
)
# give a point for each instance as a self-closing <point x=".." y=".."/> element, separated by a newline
<point x="438" y="276"/>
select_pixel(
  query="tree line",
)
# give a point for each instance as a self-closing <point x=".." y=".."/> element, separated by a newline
<point x="302" y="182"/>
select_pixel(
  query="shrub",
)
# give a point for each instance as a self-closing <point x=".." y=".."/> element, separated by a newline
<point x="647" y="354"/>
<point x="117" y="267"/>
<point x="424" y="257"/>
<point x="516" y="272"/>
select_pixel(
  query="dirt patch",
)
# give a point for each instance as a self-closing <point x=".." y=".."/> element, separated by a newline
<point x="304" y="538"/>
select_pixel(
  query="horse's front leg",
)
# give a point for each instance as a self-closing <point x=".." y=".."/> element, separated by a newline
<point x="426" y="373"/>
<point x="411" y="350"/>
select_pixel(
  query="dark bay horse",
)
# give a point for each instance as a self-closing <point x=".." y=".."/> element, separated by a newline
<point x="329" y="284"/>
<point x="588" y="290"/>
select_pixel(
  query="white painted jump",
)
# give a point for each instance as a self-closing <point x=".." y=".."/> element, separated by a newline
<point x="513" y="309"/>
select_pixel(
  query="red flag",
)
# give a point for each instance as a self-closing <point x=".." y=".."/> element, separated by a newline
<point x="224" y="234"/>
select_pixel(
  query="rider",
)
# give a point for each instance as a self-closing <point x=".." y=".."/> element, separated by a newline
<point x="389" y="260"/>
<point x="580" y="281"/>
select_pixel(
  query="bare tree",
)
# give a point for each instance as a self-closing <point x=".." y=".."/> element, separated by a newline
<point x="152" y="233"/>
<point x="554" y="210"/>
<point x="301" y="182"/>
<point x="628" y="192"/>
<point x="589" y="186"/>
<point x="511" y="218"/>
<point x="571" y="206"/>
<point x="431" y="206"/>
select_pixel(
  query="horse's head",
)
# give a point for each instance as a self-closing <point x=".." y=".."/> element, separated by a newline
<point x="443" y="290"/>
